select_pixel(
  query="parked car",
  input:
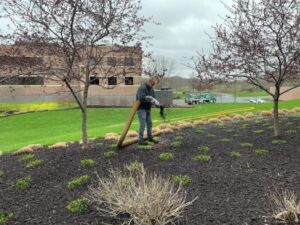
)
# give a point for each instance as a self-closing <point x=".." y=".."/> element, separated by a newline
<point x="207" y="98"/>
<point x="192" y="99"/>
<point x="258" y="100"/>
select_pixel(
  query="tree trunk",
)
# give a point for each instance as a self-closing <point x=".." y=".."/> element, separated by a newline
<point x="84" y="117"/>
<point x="275" y="112"/>
<point x="84" y="130"/>
<point x="276" y="118"/>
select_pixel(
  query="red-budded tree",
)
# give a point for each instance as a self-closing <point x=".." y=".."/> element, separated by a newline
<point x="259" y="41"/>
<point x="73" y="30"/>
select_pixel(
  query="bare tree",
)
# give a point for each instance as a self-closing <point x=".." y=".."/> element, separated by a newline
<point x="259" y="42"/>
<point x="155" y="66"/>
<point x="73" y="31"/>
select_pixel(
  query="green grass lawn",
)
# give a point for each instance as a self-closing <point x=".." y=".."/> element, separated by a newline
<point x="251" y="93"/>
<point x="33" y="106"/>
<point x="53" y="126"/>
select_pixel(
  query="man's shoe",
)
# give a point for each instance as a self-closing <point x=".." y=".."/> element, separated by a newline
<point x="153" y="141"/>
<point x="143" y="143"/>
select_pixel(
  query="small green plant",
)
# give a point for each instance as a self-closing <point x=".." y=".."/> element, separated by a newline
<point x="99" y="144"/>
<point x="244" y="126"/>
<point x="203" y="148"/>
<point x="234" y="154"/>
<point x="78" y="206"/>
<point x="230" y="131"/>
<point x="246" y="145"/>
<point x="145" y="147"/>
<point x="181" y="180"/>
<point x="199" y="131"/>
<point x="176" y="144"/>
<point x="259" y="131"/>
<point x="225" y="140"/>
<point x="166" y="156"/>
<point x="79" y="181"/>
<point x="261" y="152"/>
<point x="236" y="135"/>
<point x="114" y="146"/>
<point x="87" y="163"/>
<point x="4" y="217"/>
<point x="133" y="166"/>
<point x="109" y="154"/>
<point x="278" y="142"/>
<point x="34" y="164"/>
<point x="24" y="183"/>
<point x="2" y="173"/>
<point x="202" y="158"/>
<point x="26" y="157"/>
<point x="271" y="127"/>
<point x="178" y="138"/>
<point x="211" y="135"/>
<point x="291" y="132"/>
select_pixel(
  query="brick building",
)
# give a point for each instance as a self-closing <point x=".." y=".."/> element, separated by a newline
<point x="114" y="81"/>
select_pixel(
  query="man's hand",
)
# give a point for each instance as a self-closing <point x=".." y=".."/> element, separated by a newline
<point x="153" y="101"/>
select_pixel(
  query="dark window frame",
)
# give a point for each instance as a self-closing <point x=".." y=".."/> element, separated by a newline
<point x="111" y="61"/>
<point x="129" y="61"/>
<point x="94" y="80"/>
<point x="128" y="80"/>
<point x="25" y="81"/>
<point x="112" y="80"/>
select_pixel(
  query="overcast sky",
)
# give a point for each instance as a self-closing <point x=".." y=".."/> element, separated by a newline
<point x="184" y="24"/>
<point x="182" y="30"/>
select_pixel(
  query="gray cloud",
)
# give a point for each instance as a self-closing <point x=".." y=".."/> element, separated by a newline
<point x="184" y="27"/>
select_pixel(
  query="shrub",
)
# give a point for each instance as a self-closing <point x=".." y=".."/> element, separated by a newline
<point x="202" y="158"/>
<point x="166" y="156"/>
<point x="26" y="157"/>
<point x="2" y="173"/>
<point x="246" y="145"/>
<point x="109" y="154"/>
<point x="291" y="132"/>
<point x="78" y="206"/>
<point x="225" y="140"/>
<point x="24" y="183"/>
<point x="278" y="142"/>
<point x="234" y="154"/>
<point x="34" y="164"/>
<point x="203" y="148"/>
<point x="261" y="152"/>
<point x="87" y="163"/>
<point x="176" y="144"/>
<point x="145" y="147"/>
<point x="4" y="217"/>
<point x="178" y="138"/>
<point x="286" y="206"/>
<point x="181" y="180"/>
<point x="79" y="181"/>
<point x="133" y="166"/>
<point x="259" y="131"/>
<point x="149" y="199"/>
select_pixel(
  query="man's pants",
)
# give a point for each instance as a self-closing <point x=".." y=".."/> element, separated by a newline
<point x="144" y="119"/>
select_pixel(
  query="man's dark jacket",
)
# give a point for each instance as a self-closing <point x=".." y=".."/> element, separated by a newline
<point x="143" y="91"/>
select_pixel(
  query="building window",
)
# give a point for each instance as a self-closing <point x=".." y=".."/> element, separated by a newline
<point x="111" y="61"/>
<point x="128" y="61"/>
<point x="128" y="80"/>
<point x="112" y="81"/>
<point x="24" y="80"/>
<point x="94" y="80"/>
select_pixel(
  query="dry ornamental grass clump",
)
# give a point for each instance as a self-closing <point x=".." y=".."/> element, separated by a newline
<point x="58" y="145"/>
<point x="286" y="206"/>
<point x="111" y="136"/>
<point x="28" y="149"/>
<point x="147" y="198"/>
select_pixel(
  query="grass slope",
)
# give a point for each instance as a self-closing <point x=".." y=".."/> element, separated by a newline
<point x="54" y="126"/>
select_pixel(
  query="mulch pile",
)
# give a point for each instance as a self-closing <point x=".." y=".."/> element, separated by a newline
<point x="231" y="191"/>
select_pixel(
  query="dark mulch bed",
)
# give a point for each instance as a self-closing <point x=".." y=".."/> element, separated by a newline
<point x="231" y="191"/>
